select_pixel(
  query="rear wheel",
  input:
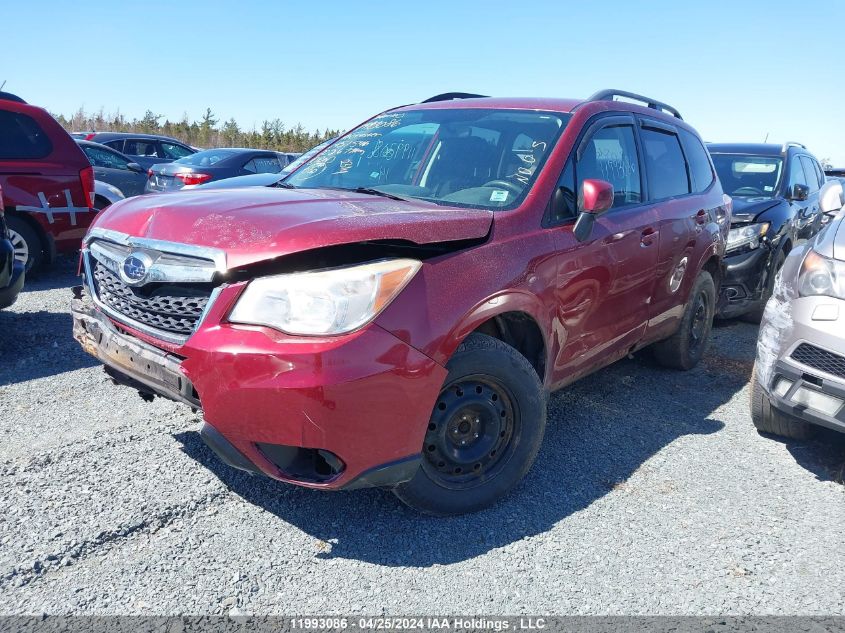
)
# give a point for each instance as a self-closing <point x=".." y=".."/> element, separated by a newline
<point x="28" y="246"/>
<point x="686" y="347"/>
<point x="484" y="432"/>
<point x="767" y="419"/>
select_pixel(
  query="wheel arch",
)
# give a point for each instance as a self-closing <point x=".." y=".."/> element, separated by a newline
<point x="514" y="318"/>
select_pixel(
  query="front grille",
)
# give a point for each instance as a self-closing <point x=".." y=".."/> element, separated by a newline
<point x="820" y="359"/>
<point x="172" y="308"/>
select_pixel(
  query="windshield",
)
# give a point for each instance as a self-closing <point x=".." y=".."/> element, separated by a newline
<point x="469" y="158"/>
<point x="748" y="175"/>
<point x="206" y="158"/>
<point x="294" y="164"/>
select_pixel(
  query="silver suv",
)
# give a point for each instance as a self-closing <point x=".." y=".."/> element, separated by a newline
<point x="799" y="376"/>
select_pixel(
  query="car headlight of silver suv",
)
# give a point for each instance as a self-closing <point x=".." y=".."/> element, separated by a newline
<point x="747" y="237"/>
<point x="323" y="303"/>
<point x="821" y="276"/>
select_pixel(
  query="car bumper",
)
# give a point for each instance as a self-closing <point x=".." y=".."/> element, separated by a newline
<point x="803" y="354"/>
<point x="745" y="278"/>
<point x="336" y="413"/>
<point x="11" y="275"/>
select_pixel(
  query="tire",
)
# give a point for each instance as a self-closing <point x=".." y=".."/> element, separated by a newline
<point x="771" y="421"/>
<point x="756" y="315"/>
<point x="484" y="433"/>
<point x="684" y="349"/>
<point x="28" y="245"/>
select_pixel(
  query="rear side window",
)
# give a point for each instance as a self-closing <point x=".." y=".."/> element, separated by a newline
<point x="22" y="138"/>
<point x="103" y="158"/>
<point x="264" y="165"/>
<point x="118" y="144"/>
<point x="140" y="147"/>
<point x="665" y="166"/>
<point x="698" y="159"/>
<point x="174" y="151"/>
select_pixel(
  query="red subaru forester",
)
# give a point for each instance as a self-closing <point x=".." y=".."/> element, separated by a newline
<point x="395" y="312"/>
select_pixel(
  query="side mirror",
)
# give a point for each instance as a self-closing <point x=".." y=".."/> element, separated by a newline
<point x="135" y="167"/>
<point x="831" y="196"/>
<point x="596" y="198"/>
<point x="799" y="193"/>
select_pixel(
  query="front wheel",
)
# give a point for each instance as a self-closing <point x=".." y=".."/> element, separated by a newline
<point x="484" y="432"/>
<point x="686" y="347"/>
<point x="771" y="421"/>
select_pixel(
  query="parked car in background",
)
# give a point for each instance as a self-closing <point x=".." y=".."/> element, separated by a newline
<point x="144" y="149"/>
<point x="11" y="268"/>
<point x="799" y="377"/>
<point x="47" y="182"/>
<point x="775" y="191"/>
<point x="213" y="164"/>
<point x="267" y="179"/>
<point x="836" y="172"/>
<point x="112" y="167"/>
<point x="397" y="313"/>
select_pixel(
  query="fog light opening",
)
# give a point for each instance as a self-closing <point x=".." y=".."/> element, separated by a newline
<point x="817" y="401"/>
<point x="782" y="387"/>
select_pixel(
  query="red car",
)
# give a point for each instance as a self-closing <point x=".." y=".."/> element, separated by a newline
<point x="396" y="311"/>
<point x="48" y="183"/>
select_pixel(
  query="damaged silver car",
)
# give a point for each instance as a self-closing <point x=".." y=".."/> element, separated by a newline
<point x="799" y="377"/>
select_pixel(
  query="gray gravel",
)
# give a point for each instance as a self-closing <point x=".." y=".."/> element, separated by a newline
<point x="652" y="495"/>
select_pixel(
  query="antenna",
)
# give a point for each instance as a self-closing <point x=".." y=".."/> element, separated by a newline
<point x="766" y="140"/>
<point x="3" y="84"/>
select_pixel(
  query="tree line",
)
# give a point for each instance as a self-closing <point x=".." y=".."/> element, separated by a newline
<point x="207" y="132"/>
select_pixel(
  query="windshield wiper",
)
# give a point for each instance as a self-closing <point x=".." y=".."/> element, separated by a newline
<point x="377" y="192"/>
<point x="284" y="185"/>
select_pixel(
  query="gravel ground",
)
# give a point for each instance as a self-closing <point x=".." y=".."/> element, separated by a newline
<point x="652" y="495"/>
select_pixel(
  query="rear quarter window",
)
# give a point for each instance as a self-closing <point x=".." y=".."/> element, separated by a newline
<point x="701" y="171"/>
<point x="22" y="138"/>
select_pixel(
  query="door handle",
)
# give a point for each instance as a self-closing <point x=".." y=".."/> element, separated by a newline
<point x="647" y="236"/>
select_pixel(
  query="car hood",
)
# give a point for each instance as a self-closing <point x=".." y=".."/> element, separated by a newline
<point x="747" y="209"/>
<point x="256" y="224"/>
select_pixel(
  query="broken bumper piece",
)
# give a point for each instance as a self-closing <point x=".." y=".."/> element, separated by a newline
<point x="340" y="412"/>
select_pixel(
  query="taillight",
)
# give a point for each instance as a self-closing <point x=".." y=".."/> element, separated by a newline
<point x="193" y="179"/>
<point x="90" y="136"/>
<point x="149" y="173"/>
<point x="86" y="177"/>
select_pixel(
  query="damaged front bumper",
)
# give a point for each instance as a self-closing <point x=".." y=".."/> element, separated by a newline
<point x="801" y="356"/>
<point x="345" y="412"/>
<point x="746" y="275"/>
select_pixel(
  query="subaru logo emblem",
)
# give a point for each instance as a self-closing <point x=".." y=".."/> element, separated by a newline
<point x="135" y="268"/>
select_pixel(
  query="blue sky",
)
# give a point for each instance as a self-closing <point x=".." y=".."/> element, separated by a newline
<point x="736" y="70"/>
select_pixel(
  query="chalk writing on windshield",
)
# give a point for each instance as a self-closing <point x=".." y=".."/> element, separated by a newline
<point x="529" y="158"/>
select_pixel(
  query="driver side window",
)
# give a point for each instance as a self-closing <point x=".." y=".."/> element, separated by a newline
<point x="611" y="155"/>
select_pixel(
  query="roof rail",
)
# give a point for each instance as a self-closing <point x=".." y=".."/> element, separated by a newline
<point x="8" y="96"/>
<point x="789" y="144"/>
<point x="449" y="96"/>
<point x="610" y="94"/>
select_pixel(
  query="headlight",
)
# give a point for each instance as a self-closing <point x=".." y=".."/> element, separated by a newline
<point x="747" y="236"/>
<point x="821" y="276"/>
<point x="327" y="302"/>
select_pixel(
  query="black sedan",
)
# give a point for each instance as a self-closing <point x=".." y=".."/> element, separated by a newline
<point x="114" y="168"/>
<point x="213" y="164"/>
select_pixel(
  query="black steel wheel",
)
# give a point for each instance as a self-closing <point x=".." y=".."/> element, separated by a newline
<point x="687" y="346"/>
<point x="484" y="432"/>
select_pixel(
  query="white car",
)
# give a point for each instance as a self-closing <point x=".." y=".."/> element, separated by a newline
<point x="799" y="377"/>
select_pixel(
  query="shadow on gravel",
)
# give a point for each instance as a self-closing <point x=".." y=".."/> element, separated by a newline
<point x="600" y="431"/>
<point x="38" y="344"/>
<point x="61" y="274"/>
<point x="824" y="456"/>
